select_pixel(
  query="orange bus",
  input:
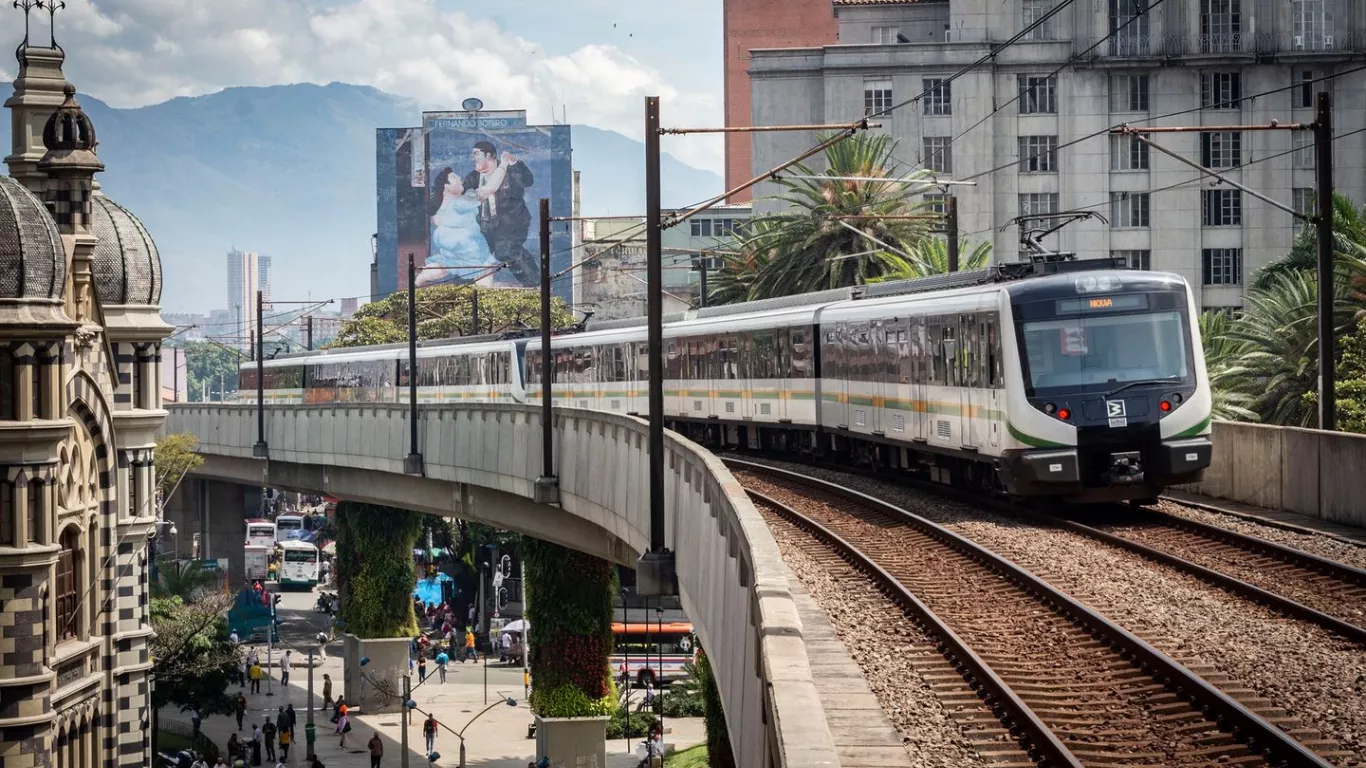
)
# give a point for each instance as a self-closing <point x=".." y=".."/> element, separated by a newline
<point x="651" y="653"/>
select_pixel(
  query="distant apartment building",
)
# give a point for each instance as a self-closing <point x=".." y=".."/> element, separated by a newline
<point x="349" y="306"/>
<point x="750" y="24"/>
<point x="247" y="273"/>
<point x="612" y="281"/>
<point x="1037" y="143"/>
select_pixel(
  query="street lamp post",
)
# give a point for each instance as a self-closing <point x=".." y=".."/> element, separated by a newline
<point x="309" y="730"/>
<point x="412" y="463"/>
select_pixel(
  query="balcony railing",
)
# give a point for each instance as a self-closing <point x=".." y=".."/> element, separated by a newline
<point x="1236" y="43"/>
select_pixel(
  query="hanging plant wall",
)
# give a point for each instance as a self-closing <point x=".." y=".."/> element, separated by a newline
<point x="375" y="569"/>
<point x="569" y="606"/>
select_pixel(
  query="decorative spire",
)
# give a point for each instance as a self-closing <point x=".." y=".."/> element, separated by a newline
<point x="27" y="7"/>
<point x="52" y="6"/>
<point x="68" y="129"/>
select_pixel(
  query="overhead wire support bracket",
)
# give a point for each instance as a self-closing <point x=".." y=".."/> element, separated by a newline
<point x="765" y="128"/>
<point x="1274" y="125"/>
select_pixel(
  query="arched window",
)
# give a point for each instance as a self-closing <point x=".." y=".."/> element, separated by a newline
<point x="7" y="514"/>
<point x="138" y="396"/>
<point x="35" y="511"/>
<point x="68" y="599"/>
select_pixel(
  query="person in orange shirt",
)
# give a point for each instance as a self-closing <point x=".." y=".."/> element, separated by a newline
<point x="470" y="652"/>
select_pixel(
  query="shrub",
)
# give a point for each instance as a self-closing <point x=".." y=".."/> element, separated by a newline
<point x="718" y="737"/>
<point x="640" y="724"/>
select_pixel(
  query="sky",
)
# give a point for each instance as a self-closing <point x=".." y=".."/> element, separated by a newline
<point x="594" y="59"/>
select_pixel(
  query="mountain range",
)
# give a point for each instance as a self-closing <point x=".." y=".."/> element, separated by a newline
<point x="289" y="171"/>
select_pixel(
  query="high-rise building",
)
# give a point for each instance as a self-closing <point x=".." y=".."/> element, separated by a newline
<point x="1035" y="142"/>
<point x="247" y="273"/>
<point x="750" y="24"/>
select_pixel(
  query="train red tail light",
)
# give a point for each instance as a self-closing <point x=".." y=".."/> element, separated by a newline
<point x="1064" y="414"/>
<point x="1165" y="406"/>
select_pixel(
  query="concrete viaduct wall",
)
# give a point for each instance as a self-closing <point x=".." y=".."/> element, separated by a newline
<point x="481" y="462"/>
<point x="1307" y="471"/>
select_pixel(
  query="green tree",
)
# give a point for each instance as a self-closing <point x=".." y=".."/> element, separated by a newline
<point x="932" y="258"/>
<point x="1221" y="354"/>
<point x="1349" y="233"/>
<point x="210" y="368"/>
<point x="175" y="455"/>
<point x="446" y="311"/>
<point x="192" y="655"/>
<point x="182" y="581"/>
<point x="813" y="245"/>
<point x="1351" y="381"/>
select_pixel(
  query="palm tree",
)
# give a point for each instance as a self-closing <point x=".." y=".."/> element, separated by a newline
<point x="1221" y="353"/>
<point x="812" y="246"/>
<point x="932" y="258"/>
<point x="182" y="580"/>
<point x="1349" y="230"/>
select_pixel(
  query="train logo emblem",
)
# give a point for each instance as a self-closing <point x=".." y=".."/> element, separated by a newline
<point x="1115" y="410"/>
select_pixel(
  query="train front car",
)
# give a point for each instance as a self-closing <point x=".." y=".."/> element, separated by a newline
<point x="1110" y="399"/>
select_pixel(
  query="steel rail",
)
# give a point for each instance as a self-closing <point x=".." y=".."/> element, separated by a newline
<point x="1044" y="746"/>
<point x="1256" y="733"/>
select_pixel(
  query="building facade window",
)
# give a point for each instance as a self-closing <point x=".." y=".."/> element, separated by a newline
<point x="68" y="599"/>
<point x="1221" y="149"/>
<point x="938" y="96"/>
<point x="8" y="515"/>
<point x="1311" y="23"/>
<point x="1302" y="200"/>
<point x="1221" y="266"/>
<point x="1221" y="90"/>
<point x="35" y="511"/>
<point x="1129" y="93"/>
<point x="1303" y="144"/>
<point x="138" y="396"/>
<point x="1129" y="31"/>
<point x="1038" y="154"/>
<point x="39" y="392"/>
<point x="885" y="35"/>
<point x="9" y="385"/>
<point x="1127" y="153"/>
<point x="1304" y="90"/>
<point x="1033" y="12"/>
<point x="1035" y="204"/>
<point x="714" y="227"/>
<point x="1135" y="259"/>
<point x="877" y="96"/>
<point x="1221" y="26"/>
<point x="1221" y="207"/>
<point x="1038" y="94"/>
<point x="934" y="202"/>
<point x="939" y="154"/>
<point x="1128" y="210"/>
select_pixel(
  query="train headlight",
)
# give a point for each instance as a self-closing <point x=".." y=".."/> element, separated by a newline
<point x="1049" y="408"/>
<point x="1176" y="398"/>
<point x="1165" y="406"/>
<point x="1064" y="414"/>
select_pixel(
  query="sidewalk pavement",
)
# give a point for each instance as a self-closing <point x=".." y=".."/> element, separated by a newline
<point x="497" y="740"/>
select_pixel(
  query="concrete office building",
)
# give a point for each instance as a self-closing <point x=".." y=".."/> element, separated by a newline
<point x="1207" y="58"/>
<point x="247" y="273"/>
<point x="80" y="406"/>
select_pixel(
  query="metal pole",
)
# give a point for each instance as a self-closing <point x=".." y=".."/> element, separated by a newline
<point x="625" y="625"/>
<point x="659" y="644"/>
<point x="482" y="618"/>
<point x="547" y="363"/>
<point x="260" y="450"/>
<point x="474" y="310"/>
<point x="310" y="333"/>
<point x="951" y="224"/>
<point x="702" y="281"/>
<point x="175" y="375"/>
<point x="413" y="464"/>
<point x="308" y="723"/>
<point x="655" y="312"/>
<point x="403" y="740"/>
<point x="1323" y="194"/>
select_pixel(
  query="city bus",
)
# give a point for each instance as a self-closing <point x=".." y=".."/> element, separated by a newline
<point x="260" y="533"/>
<point x="652" y="653"/>
<point x="299" y="566"/>
<point x="287" y="524"/>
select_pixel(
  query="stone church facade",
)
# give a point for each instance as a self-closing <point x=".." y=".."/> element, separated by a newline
<point x="80" y="351"/>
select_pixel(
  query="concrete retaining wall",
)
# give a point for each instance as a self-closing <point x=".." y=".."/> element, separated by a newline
<point x="1306" y="471"/>
<point x="732" y="579"/>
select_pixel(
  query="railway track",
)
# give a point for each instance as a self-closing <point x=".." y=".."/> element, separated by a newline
<point x="1072" y="687"/>
<point x="1298" y="583"/>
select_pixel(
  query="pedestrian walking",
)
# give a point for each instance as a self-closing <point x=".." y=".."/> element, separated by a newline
<point x="429" y="733"/>
<point x="269" y="731"/>
<point x="421" y="668"/>
<point x="285" y="662"/>
<point x="343" y="728"/>
<point x="256" y="739"/>
<point x="376" y="750"/>
<point x="441" y="660"/>
<point x="469" y="653"/>
<point x="293" y="718"/>
<point x="322" y="639"/>
<point x="240" y="709"/>
<point x="338" y="706"/>
<point x="196" y="719"/>
<point x="286" y="738"/>
<point x="327" y="691"/>
<point x="282" y="724"/>
<point x="254" y="674"/>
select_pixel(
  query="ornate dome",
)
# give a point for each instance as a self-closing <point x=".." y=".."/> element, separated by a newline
<point x="32" y="259"/>
<point x="127" y="266"/>
<point x="68" y="129"/>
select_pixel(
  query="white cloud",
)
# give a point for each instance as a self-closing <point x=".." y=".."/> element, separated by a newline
<point x="137" y="52"/>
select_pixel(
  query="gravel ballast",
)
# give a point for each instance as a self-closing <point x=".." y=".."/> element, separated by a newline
<point x="1323" y="546"/>
<point x="1313" y="674"/>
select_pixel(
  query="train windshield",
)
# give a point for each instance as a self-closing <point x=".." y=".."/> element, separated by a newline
<point x="1104" y="351"/>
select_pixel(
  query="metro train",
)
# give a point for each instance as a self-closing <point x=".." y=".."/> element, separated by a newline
<point x="1075" y="379"/>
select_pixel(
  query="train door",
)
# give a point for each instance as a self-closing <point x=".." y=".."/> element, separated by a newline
<point x="843" y="372"/>
<point x="746" y="372"/>
<point x="992" y="374"/>
<point x="876" y="367"/>
<point x="962" y="380"/>
<point x="973" y="331"/>
<point x="914" y="370"/>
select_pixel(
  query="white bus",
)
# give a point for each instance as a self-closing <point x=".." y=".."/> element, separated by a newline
<point x="299" y="566"/>
<point x="287" y="524"/>
<point x="260" y="533"/>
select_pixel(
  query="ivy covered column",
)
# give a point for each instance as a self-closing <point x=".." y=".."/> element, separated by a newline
<point x="569" y="606"/>
<point x="375" y="578"/>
